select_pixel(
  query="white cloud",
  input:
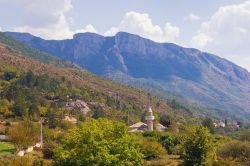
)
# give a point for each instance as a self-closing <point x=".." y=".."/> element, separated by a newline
<point x="192" y="17"/>
<point x="46" y="18"/>
<point x="0" y="29"/>
<point x="111" y="32"/>
<point x="227" y="33"/>
<point x="87" y="28"/>
<point x="171" y="32"/>
<point x="142" y="25"/>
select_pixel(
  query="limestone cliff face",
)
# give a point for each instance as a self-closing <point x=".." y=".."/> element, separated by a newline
<point x="160" y="67"/>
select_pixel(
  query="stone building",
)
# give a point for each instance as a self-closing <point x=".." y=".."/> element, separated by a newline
<point x="148" y="126"/>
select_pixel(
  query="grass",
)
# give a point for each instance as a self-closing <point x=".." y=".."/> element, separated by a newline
<point x="167" y="160"/>
<point x="6" y="148"/>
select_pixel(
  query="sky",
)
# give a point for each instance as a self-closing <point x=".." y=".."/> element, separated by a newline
<point x="221" y="27"/>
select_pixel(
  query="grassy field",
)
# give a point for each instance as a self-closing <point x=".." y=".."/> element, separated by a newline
<point x="6" y="148"/>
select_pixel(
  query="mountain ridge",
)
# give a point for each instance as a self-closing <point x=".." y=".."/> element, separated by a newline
<point x="195" y="75"/>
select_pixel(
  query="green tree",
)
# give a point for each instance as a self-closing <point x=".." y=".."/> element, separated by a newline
<point x="20" y="107"/>
<point x="5" y="106"/>
<point x="198" y="148"/>
<point x="54" y="117"/>
<point x="24" y="135"/>
<point x="99" y="142"/>
<point x="9" y="75"/>
<point x="208" y="123"/>
<point x="152" y="149"/>
<point x="166" y="120"/>
<point x="236" y="150"/>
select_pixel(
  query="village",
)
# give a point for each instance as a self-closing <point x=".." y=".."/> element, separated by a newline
<point x="148" y="125"/>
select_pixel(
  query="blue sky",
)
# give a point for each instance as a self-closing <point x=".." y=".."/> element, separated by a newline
<point x="221" y="27"/>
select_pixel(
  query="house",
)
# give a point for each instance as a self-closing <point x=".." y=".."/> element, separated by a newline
<point x="4" y="138"/>
<point x="221" y="124"/>
<point x="160" y="127"/>
<point x="70" y="119"/>
<point x="138" y="127"/>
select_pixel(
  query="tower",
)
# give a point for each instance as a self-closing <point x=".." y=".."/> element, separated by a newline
<point x="150" y="119"/>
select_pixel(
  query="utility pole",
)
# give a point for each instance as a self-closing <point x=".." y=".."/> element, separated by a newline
<point x="41" y="134"/>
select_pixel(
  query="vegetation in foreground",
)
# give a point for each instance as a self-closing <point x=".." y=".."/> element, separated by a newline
<point x="107" y="142"/>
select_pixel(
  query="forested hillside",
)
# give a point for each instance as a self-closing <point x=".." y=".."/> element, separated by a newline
<point x="28" y="79"/>
<point x="218" y="86"/>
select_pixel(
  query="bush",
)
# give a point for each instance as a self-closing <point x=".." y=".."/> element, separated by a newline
<point x="198" y="148"/>
<point x="168" y="140"/>
<point x="225" y="162"/>
<point x="236" y="150"/>
<point x="48" y="149"/>
<point x="152" y="149"/>
<point x="244" y="135"/>
<point x="209" y="124"/>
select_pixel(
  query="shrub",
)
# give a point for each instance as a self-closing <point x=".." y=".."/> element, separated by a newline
<point x="208" y="123"/>
<point x="152" y="149"/>
<point x="244" y="135"/>
<point x="237" y="150"/>
<point x="168" y="140"/>
<point x="48" y="149"/>
<point x="198" y="148"/>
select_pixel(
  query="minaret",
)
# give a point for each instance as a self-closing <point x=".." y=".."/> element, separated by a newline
<point x="150" y="119"/>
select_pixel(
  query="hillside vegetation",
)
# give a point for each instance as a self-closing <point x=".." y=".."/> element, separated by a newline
<point x="30" y="90"/>
<point x="81" y="85"/>
<point x="196" y="78"/>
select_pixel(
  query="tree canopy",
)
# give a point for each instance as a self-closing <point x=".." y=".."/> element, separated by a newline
<point x="23" y="135"/>
<point x="99" y="142"/>
<point x="198" y="149"/>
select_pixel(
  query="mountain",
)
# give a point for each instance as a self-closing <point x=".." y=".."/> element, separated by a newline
<point x="33" y="53"/>
<point x="190" y="75"/>
<point x="105" y="98"/>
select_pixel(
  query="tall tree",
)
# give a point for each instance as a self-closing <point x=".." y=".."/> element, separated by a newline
<point x="198" y="149"/>
<point x="24" y="135"/>
<point x="99" y="142"/>
<point x="208" y="123"/>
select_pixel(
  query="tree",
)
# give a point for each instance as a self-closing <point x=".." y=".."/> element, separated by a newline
<point x="20" y="107"/>
<point x="9" y="75"/>
<point x="99" y="142"/>
<point x="198" y="149"/>
<point x="54" y="117"/>
<point x="208" y="123"/>
<point x="166" y="120"/>
<point x="24" y="135"/>
<point x="5" y="106"/>
<point x="152" y="149"/>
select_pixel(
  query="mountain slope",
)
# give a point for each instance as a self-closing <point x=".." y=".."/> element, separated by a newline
<point x="188" y="74"/>
<point x="117" y="98"/>
<point x="33" y="53"/>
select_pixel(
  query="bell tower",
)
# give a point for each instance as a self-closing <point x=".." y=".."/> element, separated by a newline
<point x="150" y="119"/>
